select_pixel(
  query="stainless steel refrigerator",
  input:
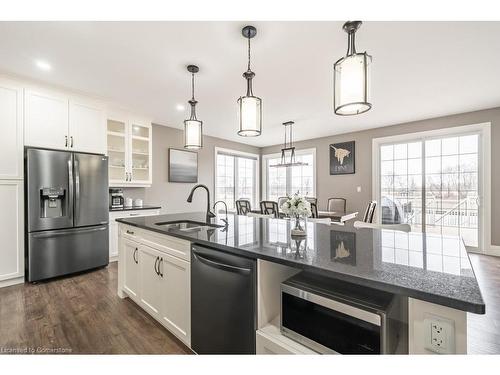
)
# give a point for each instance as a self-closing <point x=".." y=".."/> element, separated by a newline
<point x="66" y="212"/>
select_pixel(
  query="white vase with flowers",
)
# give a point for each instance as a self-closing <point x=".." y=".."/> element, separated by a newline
<point x="299" y="209"/>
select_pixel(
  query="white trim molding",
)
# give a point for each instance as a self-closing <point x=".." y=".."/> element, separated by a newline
<point x="484" y="130"/>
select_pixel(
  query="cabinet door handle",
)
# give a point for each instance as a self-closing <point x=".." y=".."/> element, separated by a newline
<point x="71" y="139"/>
<point x="65" y="141"/>
<point x="130" y="232"/>
<point x="133" y="255"/>
<point x="156" y="263"/>
<point x="159" y="267"/>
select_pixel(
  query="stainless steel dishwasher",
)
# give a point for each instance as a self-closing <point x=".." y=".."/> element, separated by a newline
<point x="223" y="302"/>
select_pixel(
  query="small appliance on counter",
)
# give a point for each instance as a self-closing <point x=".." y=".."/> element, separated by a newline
<point x="116" y="198"/>
<point x="332" y="316"/>
<point x="138" y="202"/>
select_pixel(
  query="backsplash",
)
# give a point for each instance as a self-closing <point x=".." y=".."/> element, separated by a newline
<point x="135" y="193"/>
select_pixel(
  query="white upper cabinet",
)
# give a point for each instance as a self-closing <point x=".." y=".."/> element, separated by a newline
<point x="45" y="119"/>
<point x="129" y="147"/>
<point x="87" y="126"/>
<point x="62" y="122"/>
<point x="11" y="128"/>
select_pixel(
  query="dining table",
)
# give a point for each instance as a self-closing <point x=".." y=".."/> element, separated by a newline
<point x="339" y="216"/>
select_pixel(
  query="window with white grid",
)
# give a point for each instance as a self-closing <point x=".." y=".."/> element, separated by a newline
<point x="283" y="181"/>
<point x="236" y="177"/>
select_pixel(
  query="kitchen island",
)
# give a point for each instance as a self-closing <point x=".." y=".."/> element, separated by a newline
<point x="433" y="272"/>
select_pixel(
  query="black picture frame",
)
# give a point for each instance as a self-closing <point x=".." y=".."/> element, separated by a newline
<point x="182" y="166"/>
<point x="343" y="247"/>
<point x="343" y="158"/>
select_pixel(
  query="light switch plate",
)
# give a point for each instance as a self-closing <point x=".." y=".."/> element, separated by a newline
<point x="439" y="334"/>
<point x="358" y="189"/>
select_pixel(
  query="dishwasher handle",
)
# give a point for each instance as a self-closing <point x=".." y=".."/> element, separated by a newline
<point x="222" y="266"/>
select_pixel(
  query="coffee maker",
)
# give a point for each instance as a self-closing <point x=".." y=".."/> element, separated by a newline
<point x="116" y="199"/>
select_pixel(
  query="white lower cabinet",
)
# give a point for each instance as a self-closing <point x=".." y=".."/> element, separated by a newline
<point x="11" y="231"/>
<point x="153" y="275"/>
<point x="130" y="262"/>
<point x="151" y="283"/>
<point x="176" y="289"/>
<point x="113" y="226"/>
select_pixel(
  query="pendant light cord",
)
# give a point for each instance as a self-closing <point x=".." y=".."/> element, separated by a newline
<point x="249" y="53"/>
<point x="193" y="101"/>
<point x="192" y="86"/>
<point x="249" y="74"/>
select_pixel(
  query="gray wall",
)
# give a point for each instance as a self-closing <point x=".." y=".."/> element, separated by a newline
<point x="172" y="196"/>
<point x="345" y="186"/>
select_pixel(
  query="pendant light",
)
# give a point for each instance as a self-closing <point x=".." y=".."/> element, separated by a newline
<point x="352" y="77"/>
<point x="193" y="132"/>
<point x="250" y="105"/>
<point x="288" y="150"/>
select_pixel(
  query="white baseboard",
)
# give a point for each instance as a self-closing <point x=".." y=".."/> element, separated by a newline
<point x="113" y="259"/>
<point x="493" y="250"/>
<point x="9" y="282"/>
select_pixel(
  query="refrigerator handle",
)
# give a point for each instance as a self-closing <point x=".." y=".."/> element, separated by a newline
<point x="70" y="188"/>
<point x="77" y="188"/>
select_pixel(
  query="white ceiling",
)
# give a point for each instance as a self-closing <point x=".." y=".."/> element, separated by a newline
<point x="420" y="69"/>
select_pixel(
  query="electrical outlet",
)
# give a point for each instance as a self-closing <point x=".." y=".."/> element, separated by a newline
<point x="439" y="334"/>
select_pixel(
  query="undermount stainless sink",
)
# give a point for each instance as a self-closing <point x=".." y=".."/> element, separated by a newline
<point x="188" y="225"/>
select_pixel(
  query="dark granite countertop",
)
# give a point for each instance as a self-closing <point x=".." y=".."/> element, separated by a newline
<point x="428" y="267"/>
<point x="135" y="208"/>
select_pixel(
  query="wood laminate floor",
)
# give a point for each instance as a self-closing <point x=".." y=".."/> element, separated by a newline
<point x="484" y="330"/>
<point x="79" y="314"/>
<point x="83" y="314"/>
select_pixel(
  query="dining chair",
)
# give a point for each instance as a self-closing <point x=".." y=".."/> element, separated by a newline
<point x="314" y="206"/>
<point x="400" y="227"/>
<point x="370" y="212"/>
<point x="336" y="204"/>
<point x="269" y="208"/>
<point x="243" y="206"/>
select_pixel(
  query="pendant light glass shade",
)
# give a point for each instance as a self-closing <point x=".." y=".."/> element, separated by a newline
<point x="250" y="116"/>
<point x="250" y="106"/>
<point x="193" y="128"/>
<point x="352" y="78"/>
<point x="193" y="134"/>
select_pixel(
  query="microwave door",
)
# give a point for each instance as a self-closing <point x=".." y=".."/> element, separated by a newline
<point x="49" y="189"/>
<point x="91" y="189"/>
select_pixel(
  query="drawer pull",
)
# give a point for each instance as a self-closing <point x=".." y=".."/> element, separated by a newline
<point x="130" y="232"/>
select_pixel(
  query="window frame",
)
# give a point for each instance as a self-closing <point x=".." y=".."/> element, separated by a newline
<point x="236" y="153"/>
<point x="484" y="170"/>
<point x="265" y="159"/>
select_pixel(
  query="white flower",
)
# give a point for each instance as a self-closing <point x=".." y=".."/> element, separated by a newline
<point x="296" y="205"/>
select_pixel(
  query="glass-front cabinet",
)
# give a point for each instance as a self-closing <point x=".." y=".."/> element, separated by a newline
<point x="129" y="151"/>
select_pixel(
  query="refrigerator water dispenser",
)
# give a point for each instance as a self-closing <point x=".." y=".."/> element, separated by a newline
<point x="52" y="202"/>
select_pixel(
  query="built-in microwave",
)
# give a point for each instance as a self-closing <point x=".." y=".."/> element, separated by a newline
<point x="331" y="316"/>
